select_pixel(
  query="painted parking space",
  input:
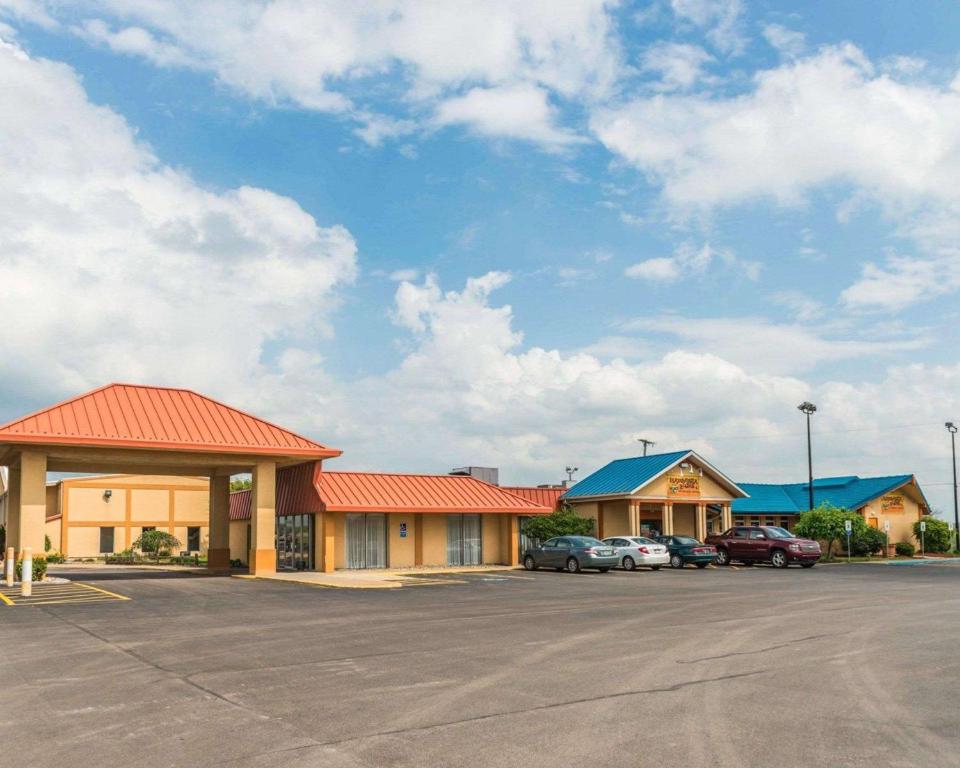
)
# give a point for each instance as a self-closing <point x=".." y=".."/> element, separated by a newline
<point x="73" y="592"/>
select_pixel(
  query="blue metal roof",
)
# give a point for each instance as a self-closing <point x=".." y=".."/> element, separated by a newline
<point x="849" y="492"/>
<point x="624" y="475"/>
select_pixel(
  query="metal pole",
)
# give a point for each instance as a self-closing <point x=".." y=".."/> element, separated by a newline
<point x="956" y="514"/>
<point x="9" y="566"/>
<point x="810" y="460"/>
<point x="26" y="575"/>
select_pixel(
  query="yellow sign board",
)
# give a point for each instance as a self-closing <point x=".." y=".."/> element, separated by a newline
<point x="683" y="485"/>
<point x="892" y="502"/>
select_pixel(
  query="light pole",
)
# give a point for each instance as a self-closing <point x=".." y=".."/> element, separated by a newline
<point x="952" y="429"/>
<point x="809" y="409"/>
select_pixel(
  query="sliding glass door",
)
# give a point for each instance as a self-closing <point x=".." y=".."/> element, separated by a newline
<point x="295" y="542"/>
<point x="366" y="540"/>
<point x="464" y="540"/>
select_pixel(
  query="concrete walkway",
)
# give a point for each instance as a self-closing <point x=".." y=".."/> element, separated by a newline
<point x="377" y="578"/>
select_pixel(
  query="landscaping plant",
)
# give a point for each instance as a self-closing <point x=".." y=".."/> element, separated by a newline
<point x="563" y="522"/>
<point x="156" y="542"/>
<point x="39" y="569"/>
<point x="869" y="541"/>
<point x="937" y="537"/>
<point x="826" y="524"/>
<point x="905" y="549"/>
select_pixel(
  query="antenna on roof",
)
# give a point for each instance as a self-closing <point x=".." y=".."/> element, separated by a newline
<point x="646" y="444"/>
<point x="570" y="471"/>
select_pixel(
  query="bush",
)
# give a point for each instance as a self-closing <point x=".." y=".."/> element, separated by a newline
<point x="56" y="557"/>
<point x="869" y="541"/>
<point x="905" y="548"/>
<point x="46" y="543"/>
<point x="563" y="522"/>
<point x="826" y="523"/>
<point x="937" y="537"/>
<point x="39" y="568"/>
<point x="158" y="542"/>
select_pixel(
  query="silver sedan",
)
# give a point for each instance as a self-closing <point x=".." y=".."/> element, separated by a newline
<point x="637" y="551"/>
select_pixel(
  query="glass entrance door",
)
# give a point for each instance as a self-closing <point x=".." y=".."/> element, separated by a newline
<point x="366" y="540"/>
<point x="295" y="543"/>
<point x="464" y="540"/>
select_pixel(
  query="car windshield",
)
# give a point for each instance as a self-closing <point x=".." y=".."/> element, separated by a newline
<point x="685" y="540"/>
<point x="776" y="532"/>
<point x="642" y="540"/>
<point x="584" y="541"/>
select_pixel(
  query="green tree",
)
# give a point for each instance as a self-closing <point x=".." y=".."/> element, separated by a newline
<point x="826" y="523"/>
<point x="937" y="537"/>
<point x="869" y="541"/>
<point x="156" y="542"/>
<point x="563" y="522"/>
<point x="241" y="485"/>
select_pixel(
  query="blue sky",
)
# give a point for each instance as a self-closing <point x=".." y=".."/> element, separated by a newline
<point x="500" y="233"/>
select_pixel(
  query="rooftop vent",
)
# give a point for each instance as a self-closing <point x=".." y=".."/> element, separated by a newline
<point x="486" y="474"/>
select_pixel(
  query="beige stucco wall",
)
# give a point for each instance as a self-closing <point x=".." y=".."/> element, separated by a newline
<point x="490" y="538"/>
<point x="238" y="540"/>
<point x="401" y="551"/>
<point x="191" y="505"/>
<point x="434" y="539"/>
<point x="52" y="530"/>
<point x="685" y="519"/>
<point x="588" y="509"/>
<point x="150" y="505"/>
<point x="89" y="505"/>
<point x="616" y="519"/>
<point x="901" y="522"/>
<point x="709" y="488"/>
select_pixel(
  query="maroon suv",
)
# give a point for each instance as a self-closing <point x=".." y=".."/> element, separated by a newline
<point x="764" y="544"/>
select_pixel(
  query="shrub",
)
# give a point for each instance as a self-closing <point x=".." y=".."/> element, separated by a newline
<point x="157" y="542"/>
<point x="826" y="523"/>
<point x="563" y="522"/>
<point x="46" y="543"/>
<point x="39" y="569"/>
<point x="56" y="557"/>
<point x="937" y="537"/>
<point x="905" y="548"/>
<point x="869" y="541"/>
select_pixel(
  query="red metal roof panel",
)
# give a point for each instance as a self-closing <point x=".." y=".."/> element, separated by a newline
<point x="545" y="497"/>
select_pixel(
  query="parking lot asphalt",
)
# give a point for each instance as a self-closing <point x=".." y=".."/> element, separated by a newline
<point x="837" y="666"/>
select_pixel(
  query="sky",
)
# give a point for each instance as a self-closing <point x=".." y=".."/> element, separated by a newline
<point x="506" y="234"/>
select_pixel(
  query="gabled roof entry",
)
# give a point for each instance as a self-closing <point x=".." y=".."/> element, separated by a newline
<point x="136" y="416"/>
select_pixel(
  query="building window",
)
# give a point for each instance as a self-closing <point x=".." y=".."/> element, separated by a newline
<point x="106" y="541"/>
<point x="148" y="528"/>
<point x="193" y="538"/>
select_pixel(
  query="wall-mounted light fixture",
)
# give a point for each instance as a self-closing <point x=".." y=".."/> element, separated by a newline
<point x="107" y="494"/>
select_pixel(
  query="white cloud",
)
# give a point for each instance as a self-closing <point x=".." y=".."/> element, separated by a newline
<point x="759" y="345"/>
<point x="721" y="18"/>
<point x="802" y="307"/>
<point x="508" y="112"/>
<point x="680" y="65"/>
<point x="402" y="275"/>
<point x="689" y="260"/>
<point x="320" y="55"/>
<point x="787" y="41"/>
<point x="116" y="266"/>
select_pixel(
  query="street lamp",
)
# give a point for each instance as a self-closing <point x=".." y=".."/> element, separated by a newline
<point x="809" y="409"/>
<point x="952" y="429"/>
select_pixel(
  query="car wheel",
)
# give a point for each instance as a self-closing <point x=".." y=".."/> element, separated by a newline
<point x="676" y="561"/>
<point x="701" y="565"/>
<point x="603" y="570"/>
<point x="807" y="565"/>
<point x="573" y="566"/>
<point x="778" y="558"/>
<point x="723" y="557"/>
<point x="529" y="563"/>
<point x="654" y="567"/>
<point x="629" y="564"/>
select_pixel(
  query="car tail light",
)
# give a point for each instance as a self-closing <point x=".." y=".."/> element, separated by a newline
<point x="644" y="550"/>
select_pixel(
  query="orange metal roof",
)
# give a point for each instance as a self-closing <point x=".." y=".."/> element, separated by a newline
<point x="545" y="497"/>
<point x="134" y="416"/>
<point x="381" y="492"/>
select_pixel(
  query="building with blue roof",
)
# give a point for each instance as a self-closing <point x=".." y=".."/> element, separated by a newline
<point x="666" y="493"/>
<point x="894" y="499"/>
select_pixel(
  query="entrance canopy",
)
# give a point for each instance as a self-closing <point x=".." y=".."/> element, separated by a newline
<point x="134" y="429"/>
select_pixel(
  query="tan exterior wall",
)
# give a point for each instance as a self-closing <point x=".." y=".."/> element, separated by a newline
<point x="52" y="530"/>
<point x="434" y="539"/>
<point x="685" y="519"/>
<point x="709" y="488"/>
<point x="340" y="541"/>
<point x="168" y="503"/>
<point x="616" y="519"/>
<point x="588" y="509"/>
<point x="901" y="520"/>
<point x="400" y="551"/>
<point x="491" y="539"/>
<point x="238" y="541"/>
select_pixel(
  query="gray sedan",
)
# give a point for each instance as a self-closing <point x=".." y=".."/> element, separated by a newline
<point x="571" y="553"/>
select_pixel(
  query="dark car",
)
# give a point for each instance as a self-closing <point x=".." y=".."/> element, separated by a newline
<point x="571" y="553"/>
<point x="751" y="544"/>
<point x="686" y="549"/>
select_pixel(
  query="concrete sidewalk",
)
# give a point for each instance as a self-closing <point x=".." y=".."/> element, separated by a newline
<point x="377" y="578"/>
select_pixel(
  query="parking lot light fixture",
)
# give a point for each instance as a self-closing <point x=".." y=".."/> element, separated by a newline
<point x="952" y="429"/>
<point x="809" y="409"/>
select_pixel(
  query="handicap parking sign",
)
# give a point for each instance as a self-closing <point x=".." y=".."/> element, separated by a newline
<point x="403" y="530"/>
